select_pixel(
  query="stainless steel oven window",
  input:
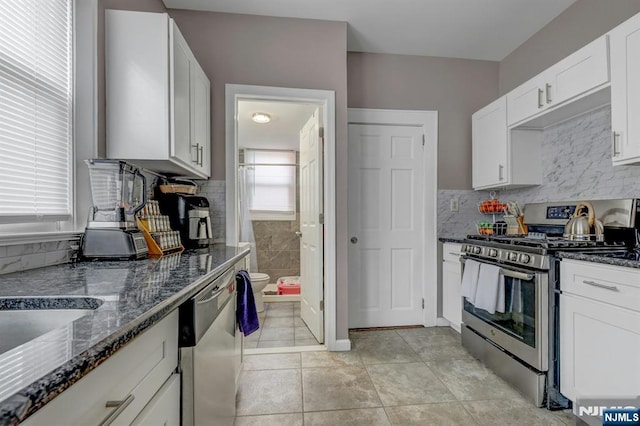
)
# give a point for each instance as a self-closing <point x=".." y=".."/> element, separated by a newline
<point x="523" y="329"/>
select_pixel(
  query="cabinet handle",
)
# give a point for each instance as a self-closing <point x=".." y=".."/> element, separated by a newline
<point x="119" y="407"/>
<point x="606" y="287"/>
<point x="200" y="155"/>
<point x="547" y="89"/>
<point x="614" y="144"/>
<point x="540" y="97"/>
<point x="500" y="172"/>
<point x="454" y="253"/>
<point x="197" y="147"/>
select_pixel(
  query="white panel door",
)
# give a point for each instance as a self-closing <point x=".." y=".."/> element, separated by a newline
<point x="311" y="240"/>
<point x="385" y="225"/>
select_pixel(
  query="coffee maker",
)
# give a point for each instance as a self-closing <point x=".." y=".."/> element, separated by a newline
<point x="119" y="192"/>
<point x="188" y="214"/>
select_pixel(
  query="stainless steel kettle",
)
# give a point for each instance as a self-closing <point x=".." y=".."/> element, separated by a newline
<point x="583" y="226"/>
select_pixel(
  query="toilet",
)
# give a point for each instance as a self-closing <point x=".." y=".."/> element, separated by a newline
<point x="258" y="282"/>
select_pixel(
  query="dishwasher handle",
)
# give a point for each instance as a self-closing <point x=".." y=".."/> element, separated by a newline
<point x="198" y="313"/>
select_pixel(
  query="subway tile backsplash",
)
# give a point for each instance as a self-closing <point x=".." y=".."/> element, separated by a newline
<point x="576" y="164"/>
<point x="214" y="191"/>
<point x="20" y="257"/>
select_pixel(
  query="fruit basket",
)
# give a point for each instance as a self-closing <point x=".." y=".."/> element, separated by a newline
<point x="489" y="228"/>
<point x="492" y="206"/>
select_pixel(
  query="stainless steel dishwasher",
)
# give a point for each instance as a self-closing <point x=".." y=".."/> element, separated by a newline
<point x="209" y="354"/>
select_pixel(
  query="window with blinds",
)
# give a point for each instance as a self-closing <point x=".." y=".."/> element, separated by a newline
<point x="272" y="181"/>
<point x="35" y="110"/>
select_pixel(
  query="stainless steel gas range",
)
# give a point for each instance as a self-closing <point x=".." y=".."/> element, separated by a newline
<point x="519" y="342"/>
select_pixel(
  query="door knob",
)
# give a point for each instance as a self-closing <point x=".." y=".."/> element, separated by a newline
<point x="354" y="240"/>
<point x="299" y="234"/>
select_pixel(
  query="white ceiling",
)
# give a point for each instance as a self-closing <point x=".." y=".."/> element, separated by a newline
<point x="282" y="132"/>
<point x="472" y="29"/>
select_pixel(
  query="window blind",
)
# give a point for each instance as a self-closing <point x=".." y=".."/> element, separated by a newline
<point x="35" y="109"/>
<point x="272" y="179"/>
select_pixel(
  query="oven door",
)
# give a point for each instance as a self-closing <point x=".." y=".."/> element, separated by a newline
<point x="522" y="330"/>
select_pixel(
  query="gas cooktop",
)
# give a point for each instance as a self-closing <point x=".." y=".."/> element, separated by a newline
<point x="556" y="243"/>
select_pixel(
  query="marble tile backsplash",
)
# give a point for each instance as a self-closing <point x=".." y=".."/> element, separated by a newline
<point x="21" y="257"/>
<point x="576" y="165"/>
<point x="463" y="222"/>
<point x="576" y="161"/>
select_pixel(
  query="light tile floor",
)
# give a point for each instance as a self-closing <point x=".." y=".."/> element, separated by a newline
<point x="280" y="326"/>
<point x="417" y="376"/>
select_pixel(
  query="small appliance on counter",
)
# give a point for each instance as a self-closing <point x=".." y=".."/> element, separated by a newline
<point x="188" y="213"/>
<point x="118" y="191"/>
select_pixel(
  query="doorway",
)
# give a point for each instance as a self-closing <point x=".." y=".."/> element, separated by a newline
<point x="268" y="155"/>
<point x="392" y="218"/>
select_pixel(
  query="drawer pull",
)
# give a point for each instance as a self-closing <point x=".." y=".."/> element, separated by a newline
<point x="119" y="406"/>
<point x="595" y="284"/>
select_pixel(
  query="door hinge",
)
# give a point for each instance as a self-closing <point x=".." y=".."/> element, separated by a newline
<point x="322" y="305"/>
<point x="321" y="219"/>
<point x="423" y="139"/>
<point x="321" y="132"/>
<point x="422" y="303"/>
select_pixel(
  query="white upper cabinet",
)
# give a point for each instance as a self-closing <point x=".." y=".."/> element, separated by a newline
<point x="503" y="158"/>
<point x="489" y="148"/>
<point x="158" y="97"/>
<point x="625" y="92"/>
<point x="577" y="74"/>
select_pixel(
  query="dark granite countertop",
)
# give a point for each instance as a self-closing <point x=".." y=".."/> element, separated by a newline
<point x="132" y="296"/>
<point x="451" y="240"/>
<point x="595" y="258"/>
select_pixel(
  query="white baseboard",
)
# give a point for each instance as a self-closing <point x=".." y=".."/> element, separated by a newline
<point x="441" y="322"/>
<point x="341" y="345"/>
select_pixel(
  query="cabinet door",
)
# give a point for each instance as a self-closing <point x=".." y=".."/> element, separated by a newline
<point x="526" y="100"/>
<point x="625" y="91"/>
<point x="489" y="147"/>
<point x="181" y="64"/>
<point x="164" y="408"/>
<point x="451" y="298"/>
<point x="578" y="73"/>
<point x="200" y="119"/>
<point x="599" y="349"/>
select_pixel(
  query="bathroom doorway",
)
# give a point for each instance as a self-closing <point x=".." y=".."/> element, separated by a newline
<point x="280" y="144"/>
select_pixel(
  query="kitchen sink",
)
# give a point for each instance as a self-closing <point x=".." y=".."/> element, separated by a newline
<point x="24" y="319"/>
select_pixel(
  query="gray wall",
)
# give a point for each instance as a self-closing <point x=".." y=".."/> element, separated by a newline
<point x="454" y="87"/>
<point x="581" y="23"/>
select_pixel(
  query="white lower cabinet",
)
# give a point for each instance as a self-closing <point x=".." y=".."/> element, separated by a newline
<point x="137" y="379"/>
<point x="451" y="280"/>
<point x="599" y="336"/>
<point x="164" y="408"/>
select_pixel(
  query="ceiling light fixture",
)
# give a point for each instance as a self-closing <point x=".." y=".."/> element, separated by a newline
<point x="261" y="117"/>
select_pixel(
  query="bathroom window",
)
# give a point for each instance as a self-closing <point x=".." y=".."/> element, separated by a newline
<point x="271" y="180"/>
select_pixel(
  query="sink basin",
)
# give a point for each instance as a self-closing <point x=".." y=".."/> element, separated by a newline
<point x="22" y="319"/>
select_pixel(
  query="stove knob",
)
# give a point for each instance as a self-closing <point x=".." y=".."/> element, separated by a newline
<point x="493" y="253"/>
<point x="477" y="250"/>
<point x="525" y="258"/>
<point x="513" y="257"/>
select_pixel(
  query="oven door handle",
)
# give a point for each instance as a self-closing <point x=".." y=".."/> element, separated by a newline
<point x="508" y="272"/>
<point x="515" y="274"/>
